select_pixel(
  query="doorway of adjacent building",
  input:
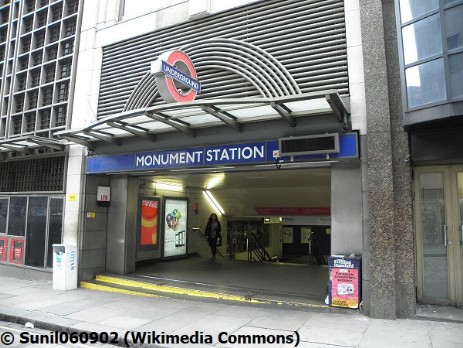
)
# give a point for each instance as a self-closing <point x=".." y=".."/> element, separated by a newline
<point x="439" y="234"/>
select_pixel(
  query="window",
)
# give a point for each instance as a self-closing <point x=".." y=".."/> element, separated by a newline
<point x="45" y="119"/>
<point x="17" y="216"/>
<point x="65" y="69"/>
<point x="3" y="214"/>
<point x="432" y="42"/>
<point x="49" y="74"/>
<point x="69" y="29"/>
<point x="47" y="96"/>
<point x="454" y="27"/>
<point x="17" y="123"/>
<point x="42" y="228"/>
<point x="19" y="103"/>
<point x="42" y="19"/>
<point x="425" y="83"/>
<point x="52" y="52"/>
<point x="73" y="6"/>
<point x="54" y="34"/>
<point x="55" y="226"/>
<point x="35" y="78"/>
<point x="30" y="122"/>
<point x="63" y="91"/>
<point x="21" y="82"/>
<point x="36" y="231"/>
<point x="33" y="98"/>
<point x="411" y="9"/>
<point x="422" y="39"/>
<point x="28" y="25"/>
<point x="68" y="47"/>
<point x="23" y="63"/>
<point x="39" y="39"/>
<point x="456" y="75"/>
<point x="60" y="116"/>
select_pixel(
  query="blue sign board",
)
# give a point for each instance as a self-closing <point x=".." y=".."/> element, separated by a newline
<point x="219" y="155"/>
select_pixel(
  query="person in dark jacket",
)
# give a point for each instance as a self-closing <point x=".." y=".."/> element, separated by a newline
<point x="212" y="232"/>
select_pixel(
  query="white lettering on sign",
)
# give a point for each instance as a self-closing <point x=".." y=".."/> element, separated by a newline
<point x="168" y="159"/>
<point x="235" y="153"/>
<point x="343" y="263"/>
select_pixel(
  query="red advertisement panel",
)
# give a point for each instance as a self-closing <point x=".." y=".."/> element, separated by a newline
<point x="3" y="248"/>
<point x="149" y="222"/>
<point x="17" y="250"/>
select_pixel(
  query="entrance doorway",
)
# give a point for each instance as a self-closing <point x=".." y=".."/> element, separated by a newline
<point x="439" y="234"/>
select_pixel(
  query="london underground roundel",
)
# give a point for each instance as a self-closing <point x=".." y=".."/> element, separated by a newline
<point x="175" y="77"/>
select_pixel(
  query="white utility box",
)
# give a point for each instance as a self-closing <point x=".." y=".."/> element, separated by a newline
<point x="64" y="267"/>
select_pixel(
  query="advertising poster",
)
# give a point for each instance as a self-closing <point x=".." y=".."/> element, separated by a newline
<point x="175" y="226"/>
<point x="149" y="216"/>
<point x="345" y="282"/>
<point x="306" y="235"/>
<point x="287" y="235"/>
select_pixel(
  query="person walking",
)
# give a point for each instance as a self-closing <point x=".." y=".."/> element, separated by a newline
<point x="212" y="232"/>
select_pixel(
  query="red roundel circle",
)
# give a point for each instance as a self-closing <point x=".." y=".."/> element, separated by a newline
<point x="166" y="84"/>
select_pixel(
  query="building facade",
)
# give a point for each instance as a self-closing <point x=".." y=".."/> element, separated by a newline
<point x="270" y="71"/>
<point x="37" y="63"/>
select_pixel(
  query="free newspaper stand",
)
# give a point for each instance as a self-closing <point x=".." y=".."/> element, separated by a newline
<point x="345" y="283"/>
<point x="64" y="267"/>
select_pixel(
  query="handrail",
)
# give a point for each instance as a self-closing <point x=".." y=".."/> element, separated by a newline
<point x="255" y="246"/>
<point x="205" y="237"/>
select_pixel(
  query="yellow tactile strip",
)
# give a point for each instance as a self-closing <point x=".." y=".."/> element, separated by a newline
<point x="166" y="290"/>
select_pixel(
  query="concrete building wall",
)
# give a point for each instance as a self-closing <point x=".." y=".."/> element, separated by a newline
<point x="390" y="247"/>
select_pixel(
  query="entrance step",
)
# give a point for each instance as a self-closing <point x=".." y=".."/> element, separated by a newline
<point x="160" y="288"/>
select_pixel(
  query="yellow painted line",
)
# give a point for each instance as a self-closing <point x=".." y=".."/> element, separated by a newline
<point x="197" y="293"/>
<point x="92" y="286"/>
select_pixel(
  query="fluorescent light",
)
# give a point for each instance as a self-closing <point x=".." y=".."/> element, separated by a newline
<point x="168" y="187"/>
<point x="214" y="202"/>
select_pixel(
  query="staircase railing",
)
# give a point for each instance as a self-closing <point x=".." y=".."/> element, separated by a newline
<point x="202" y="234"/>
<point x="257" y="251"/>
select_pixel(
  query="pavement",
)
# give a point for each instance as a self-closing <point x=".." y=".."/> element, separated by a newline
<point x="196" y="322"/>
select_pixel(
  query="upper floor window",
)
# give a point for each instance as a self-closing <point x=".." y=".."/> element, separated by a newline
<point x="432" y="42"/>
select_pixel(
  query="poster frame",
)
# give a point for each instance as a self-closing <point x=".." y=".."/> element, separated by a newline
<point x="165" y="232"/>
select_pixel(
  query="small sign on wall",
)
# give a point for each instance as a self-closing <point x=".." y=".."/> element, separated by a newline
<point x="103" y="196"/>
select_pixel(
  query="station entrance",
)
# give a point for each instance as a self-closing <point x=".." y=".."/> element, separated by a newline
<point x="276" y="230"/>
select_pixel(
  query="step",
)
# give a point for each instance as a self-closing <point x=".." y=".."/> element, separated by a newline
<point x="151" y="288"/>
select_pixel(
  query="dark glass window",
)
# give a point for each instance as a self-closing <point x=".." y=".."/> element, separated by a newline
<point x="45" y="119"/>
<point x="454" y="27"/>
<point x="17" y="216"/>
<point x="36" y="231"/>
<point x="50" y="74"/>
<point x="30" y="122"/>
<point x="68" y="47"/>
<point x="55" y="228"/>
<point x="456" y="75"/>
<point x="3" y="214"/>
<point x="63" y="92"/>
<point x="60" y="116"/>
<point x="65" y="69"/>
